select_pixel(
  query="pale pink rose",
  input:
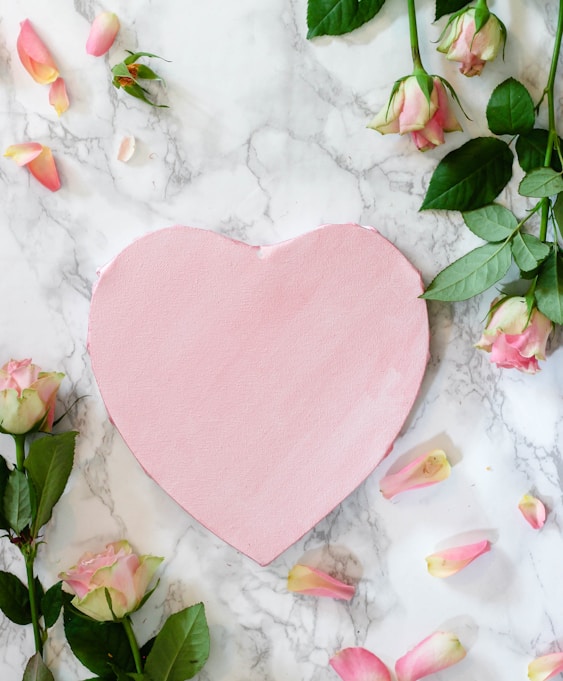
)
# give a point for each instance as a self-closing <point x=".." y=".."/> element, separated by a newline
<point x="27" y="397"/>
<point x="409" y="110"/>
<point x="515" y="339"/>
<point x="102" y="34"/>
<point x="473" y="49"/>
<point x="118" y="574"/>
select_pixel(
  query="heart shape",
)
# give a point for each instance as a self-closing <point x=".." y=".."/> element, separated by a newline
<point x="259" y="385"/>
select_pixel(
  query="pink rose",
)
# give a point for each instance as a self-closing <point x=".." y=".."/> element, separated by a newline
<point x="410" y="109"/>
<point x="461" y="42"/>
<point x="515" y="339"/>
<point x="118" y="574"/>
<point x="27" y="397"/>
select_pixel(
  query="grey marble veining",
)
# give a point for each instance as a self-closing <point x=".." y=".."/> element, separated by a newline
<point x="265" y="139"/>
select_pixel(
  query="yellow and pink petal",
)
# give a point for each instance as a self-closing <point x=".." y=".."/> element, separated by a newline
<point x="440" y="650"/>
<point x="102" y="34"/>
<point x="39" y="160"/>
<point x="427" y="469"/>
<point x="35" y="56"/>
<point x="533" y="511"/>
<point x="310" y="581"/>
<point x="58" y="97"/>
<point x="448" y="562"/>
<point x="359" y="664"/>
<point x="545" y="667"/>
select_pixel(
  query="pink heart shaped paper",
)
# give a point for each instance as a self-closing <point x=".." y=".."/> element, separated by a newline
<point x="259" y="385"/>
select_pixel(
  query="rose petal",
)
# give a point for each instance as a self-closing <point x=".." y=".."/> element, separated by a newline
<point x="58" y="97"/>
<point x="312" y="582"/>
<point x="438" y="651"/>
<point x="533" y="510"/>
<point x="450" y="561"/>
<point x="359" y="664"/>
<point x="102" y="33"/>
<point x="545" y="667"/>
<point x="24" y="153"/>
<point x="34" y="56"/>
<point x="126" y="149"/>
<point x="427" y="469"/>
<point x="43" y="168"/>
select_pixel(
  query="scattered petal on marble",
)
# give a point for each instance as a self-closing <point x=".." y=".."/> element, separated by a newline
<point x="427" y="469"/>
<point x="438" y="651"/>
<point x="533" y="511"/>
<point x="102" y="34"/>
<point x="450" y="561"/>
<point x="545" y="667"/>
<point x="39" y="160"/>
<point x="58" y="97"/>
<point x="34" y="56"/>
<point x="359" y="664"/>
<point x="126" y="149"/>
<point x="312" y="582"/>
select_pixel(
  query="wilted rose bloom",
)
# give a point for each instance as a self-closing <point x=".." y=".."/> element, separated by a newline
<point x="27" y="397"/>
<point x="515" y="339"/>
<point x="409" y="110"/>
<point x="118" y="573"/>
<point x="461" y="43"/>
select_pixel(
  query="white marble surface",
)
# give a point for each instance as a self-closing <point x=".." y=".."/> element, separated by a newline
<point x="265" y="139"/>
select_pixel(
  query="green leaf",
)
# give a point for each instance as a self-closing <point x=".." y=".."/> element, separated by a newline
<point x="531" y="148"/>
<point x="49" y="463"/>
<point x="51" y="604"/>
<point x="492" y="223"/>
<point x="14" y="599"/>
<point x="133" y="56"/>
<point x="17" y="503"/>
<point x="541" y="182"/>
<point x="181" y="648"/>
<point x="558" y="212"/>
<point x="510" y="110"/>
<point x="37" y="670"/>
<point x="449" y="6"/>
<point x="4" y="475"/>
<point x="528" y="251"/>
<point x="335" y="17"/>
<point x="549" y="289"/>
<point x="97" y="644"/>
<point x="146" y="73"/>
<point x="471" y="274"/>
<point x="471" y="176"/>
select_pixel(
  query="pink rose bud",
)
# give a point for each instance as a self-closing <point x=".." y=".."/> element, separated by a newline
<point x="102" y="34"/>
<point x="27" y="397"/>
<point x="462" y="42"/>
<point x="515" y="337"/>
<point x="117" y="576"/>
<point x="410" y="109"/>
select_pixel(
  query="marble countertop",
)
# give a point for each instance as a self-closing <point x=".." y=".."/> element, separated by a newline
<point x="266" y="139"/>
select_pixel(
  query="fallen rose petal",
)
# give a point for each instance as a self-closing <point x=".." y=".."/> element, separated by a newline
<point x="450" y="561"/>
<point x="22" y="154"/>
<point x="102" y="33"/>
<point x="34" y="56"/>
<point x="126" y="149"/>
<point x="312" y="582"/>
<point x="545" y="667"/>
<point x="58" y="97"/>
<point x="359" y="664"/>
<point x="427" y="469"/>
<point x="39" y="160"/>
<point x="438" y="651"/>
<point x="533" y="510"/>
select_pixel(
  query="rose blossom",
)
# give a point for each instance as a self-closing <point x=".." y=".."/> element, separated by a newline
<point x="27" y="397"/>
<point x="116" y="574"/>
<point x="410" y="109"/>
<point x="514" y="337"/>
<point x="461" y="42"/>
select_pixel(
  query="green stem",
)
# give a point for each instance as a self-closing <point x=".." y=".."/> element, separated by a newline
<point x="126" y="621"/>
<point x="552" y="137"/>
<point x="20" y="451"/>
<point x="29" y="559"/>
<point x="417" y="62"/>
